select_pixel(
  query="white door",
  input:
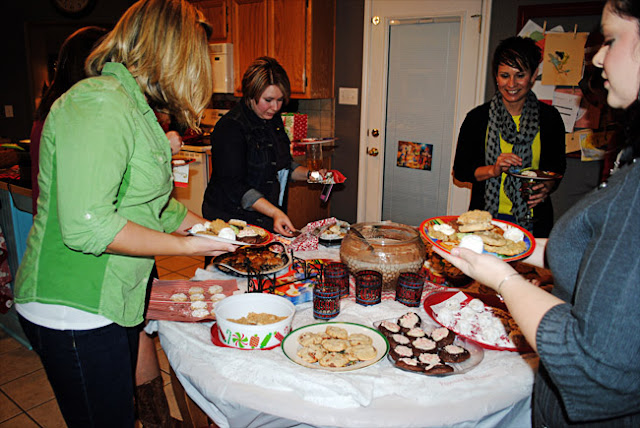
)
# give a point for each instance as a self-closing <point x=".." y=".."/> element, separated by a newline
<point x="424" y="69"/>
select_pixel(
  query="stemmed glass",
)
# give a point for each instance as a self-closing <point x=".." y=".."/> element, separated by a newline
<point x="526" y="187"/>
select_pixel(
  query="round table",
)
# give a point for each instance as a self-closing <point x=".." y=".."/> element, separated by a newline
<point x="241" y="388"/>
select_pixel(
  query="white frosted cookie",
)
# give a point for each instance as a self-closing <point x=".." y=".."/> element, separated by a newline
<point x="200" y="313"/>
<point x="335" y="345"/>
<point x="333" y="359"/>
<point x="215" y="289"/>
<point x="360" y="339"/>
<point x="199" y="304"/>
<point x="217" y="297"/>
<point x="196" y="290"/>
<point x="195" y="297"/>
<point x="179" y="297"/>
<point x="337" y="332"/>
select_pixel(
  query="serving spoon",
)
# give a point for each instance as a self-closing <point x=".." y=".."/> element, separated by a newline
<point x="361" y="236"/>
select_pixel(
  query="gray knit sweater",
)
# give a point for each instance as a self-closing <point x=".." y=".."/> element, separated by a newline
<point x="590" y="346"/>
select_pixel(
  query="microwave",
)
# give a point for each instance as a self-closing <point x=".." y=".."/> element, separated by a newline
<point x="222" y="64"/>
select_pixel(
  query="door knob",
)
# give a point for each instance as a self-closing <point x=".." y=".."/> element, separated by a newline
<point x="372" y="152"/>
<point x="375" y="132"/>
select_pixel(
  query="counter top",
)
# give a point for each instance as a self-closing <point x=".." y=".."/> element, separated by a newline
<point x="19" y="187"/>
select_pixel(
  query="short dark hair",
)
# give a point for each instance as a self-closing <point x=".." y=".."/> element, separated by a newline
<point x="262" y="73"/>
<point x="517" y="52"/>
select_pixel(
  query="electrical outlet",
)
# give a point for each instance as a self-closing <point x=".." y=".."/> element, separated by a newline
<point x="348" y="96"/>
<point x="8" y="111"/>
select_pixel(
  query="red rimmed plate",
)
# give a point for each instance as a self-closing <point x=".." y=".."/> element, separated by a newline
<point x="528" y="237"/>
<point x="268" y="237"/>
<point x="489" y="300"/>
<point x="215" y="339"/>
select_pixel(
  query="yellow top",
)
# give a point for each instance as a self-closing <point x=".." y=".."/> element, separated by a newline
<point x="505" y="202"/>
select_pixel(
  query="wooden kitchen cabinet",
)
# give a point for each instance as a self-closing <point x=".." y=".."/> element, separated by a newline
<point x="298" y="33"/>
<point x="303" y="203"/>
<point x="217" y="14"/>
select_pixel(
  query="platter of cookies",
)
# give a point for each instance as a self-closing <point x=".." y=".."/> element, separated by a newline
<point x="335" y="346"/>
<point x="187" y="301"/>
<point x="477" y="231"/>
<point x="482" y="319"/>
<point x="259" y="259"/>
<point x="421" y="347"/>
<point x="233" y="232"/>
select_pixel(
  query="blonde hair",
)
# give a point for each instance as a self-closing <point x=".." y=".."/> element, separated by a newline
<point x="164" y="44"/>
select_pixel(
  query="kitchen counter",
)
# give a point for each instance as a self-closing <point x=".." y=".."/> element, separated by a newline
<point x="18" y="187"/>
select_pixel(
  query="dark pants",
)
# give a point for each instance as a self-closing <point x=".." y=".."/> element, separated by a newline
<point x="91" y="372"/>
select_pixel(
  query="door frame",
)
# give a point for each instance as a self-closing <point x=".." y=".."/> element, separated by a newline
<point x="458" y="198"/>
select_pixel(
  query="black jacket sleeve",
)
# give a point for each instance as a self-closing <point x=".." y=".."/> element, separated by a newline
<point x="471" y="144"/>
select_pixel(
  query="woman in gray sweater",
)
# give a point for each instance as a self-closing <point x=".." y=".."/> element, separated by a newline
<point x="586" y="332"/>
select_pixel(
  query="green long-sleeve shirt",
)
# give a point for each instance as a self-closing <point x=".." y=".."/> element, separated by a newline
<point x="104" y="159"/>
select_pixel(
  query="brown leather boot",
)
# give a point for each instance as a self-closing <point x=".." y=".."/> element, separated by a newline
<point x="152" y="406"/>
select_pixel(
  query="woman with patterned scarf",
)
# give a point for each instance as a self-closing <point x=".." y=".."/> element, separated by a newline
<point x="513" y="130"/>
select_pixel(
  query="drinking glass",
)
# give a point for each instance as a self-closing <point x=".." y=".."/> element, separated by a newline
<point x="409" y="289"/>
<point x="526" y="187"/>
<point x="368" y="287"/>
<point x="326" y="301"/>
<point x="314" y="157"/>
<point x="337" y="273"/>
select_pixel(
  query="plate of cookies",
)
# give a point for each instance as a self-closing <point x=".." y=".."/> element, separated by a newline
<point x="233" y="232"/>
<point x="335" y="346"/>
<point x="421" y="347"/>
<point x="478" y="231"/>
<point x="480" y="318"/>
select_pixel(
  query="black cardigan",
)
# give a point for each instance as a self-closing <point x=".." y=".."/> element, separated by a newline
<point x="470" y="154"/>
<point x="247" y="153"/>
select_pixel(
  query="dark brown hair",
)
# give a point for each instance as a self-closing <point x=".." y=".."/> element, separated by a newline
<point x="518" y="52"/>
<point x="630" y="123"/>
<point x="262" y="73"/>
<point x="70" y="65"/>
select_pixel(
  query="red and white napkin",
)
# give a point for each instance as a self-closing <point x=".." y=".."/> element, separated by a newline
<point x="308" y="238"/>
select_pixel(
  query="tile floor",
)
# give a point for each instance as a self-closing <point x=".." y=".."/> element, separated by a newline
<point x="26" y="398"/>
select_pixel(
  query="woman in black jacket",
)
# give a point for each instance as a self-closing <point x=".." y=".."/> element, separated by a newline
<point x="516" y="130"/>
<point x="251" y="158"/>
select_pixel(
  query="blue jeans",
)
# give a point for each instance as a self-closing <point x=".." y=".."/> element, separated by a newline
<point x="91" y="372"/>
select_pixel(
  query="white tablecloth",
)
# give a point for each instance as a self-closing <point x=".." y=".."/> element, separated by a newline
<point x="239" y="388"/>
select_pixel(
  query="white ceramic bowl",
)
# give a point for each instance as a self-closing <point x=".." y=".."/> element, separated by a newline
<point x="245" y="336"/>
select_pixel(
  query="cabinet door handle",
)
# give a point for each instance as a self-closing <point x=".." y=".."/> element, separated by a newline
<point x="373" y="152"/>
